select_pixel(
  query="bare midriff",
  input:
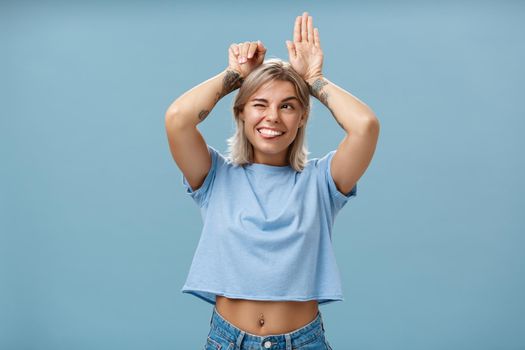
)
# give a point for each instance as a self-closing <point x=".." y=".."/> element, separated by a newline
<point x="264" y="317"/>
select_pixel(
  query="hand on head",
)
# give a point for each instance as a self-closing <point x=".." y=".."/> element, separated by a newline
<point x="245" y="57"/>
<point x="305" y="53"/>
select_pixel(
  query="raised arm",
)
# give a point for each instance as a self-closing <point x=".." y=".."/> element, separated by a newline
<point x="355" y="152"/>
<point x="194" y="105"/>
<point x="187" y="146"/>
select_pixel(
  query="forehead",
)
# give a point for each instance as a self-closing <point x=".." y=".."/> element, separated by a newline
<point x="275" y="90"/>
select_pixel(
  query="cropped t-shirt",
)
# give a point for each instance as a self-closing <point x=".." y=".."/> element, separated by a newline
<point x="267" y="232"/>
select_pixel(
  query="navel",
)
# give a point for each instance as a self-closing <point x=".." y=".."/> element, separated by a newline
<point x="261" y="320"/>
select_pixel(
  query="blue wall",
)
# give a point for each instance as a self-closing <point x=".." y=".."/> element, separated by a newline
<point x="97" y="233"/>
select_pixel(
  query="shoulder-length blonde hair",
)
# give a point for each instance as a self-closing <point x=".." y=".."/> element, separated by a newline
<point x="240" y="150"/>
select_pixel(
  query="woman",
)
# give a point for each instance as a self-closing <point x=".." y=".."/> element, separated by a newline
<point x="265" y="258"/>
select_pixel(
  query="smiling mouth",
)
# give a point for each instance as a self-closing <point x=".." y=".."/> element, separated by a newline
<point x="270" y="134"/>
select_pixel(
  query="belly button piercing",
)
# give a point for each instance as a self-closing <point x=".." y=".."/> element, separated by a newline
<point x="261" y="320"/>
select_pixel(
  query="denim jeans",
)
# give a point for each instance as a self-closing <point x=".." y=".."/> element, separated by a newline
<point x="225" y="336"/>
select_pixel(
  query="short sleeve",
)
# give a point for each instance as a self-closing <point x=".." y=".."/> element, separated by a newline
<point x="337" y="198"/>
<point x="201" y="195"/>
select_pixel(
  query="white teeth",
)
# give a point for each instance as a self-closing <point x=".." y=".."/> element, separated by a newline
<point x="269" y="132"/>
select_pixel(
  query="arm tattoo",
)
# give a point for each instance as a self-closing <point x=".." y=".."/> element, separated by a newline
<point x="316" y="89"/>
<point x="203" y="114"/>
<point x="232" y="80"/>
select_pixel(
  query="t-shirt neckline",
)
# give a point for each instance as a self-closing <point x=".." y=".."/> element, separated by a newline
<point x="269" y="168"/>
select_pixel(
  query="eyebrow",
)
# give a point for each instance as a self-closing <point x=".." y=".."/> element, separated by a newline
<point x="284" y="100"/>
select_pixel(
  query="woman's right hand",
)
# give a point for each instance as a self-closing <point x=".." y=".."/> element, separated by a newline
<point x="245" y="57"/>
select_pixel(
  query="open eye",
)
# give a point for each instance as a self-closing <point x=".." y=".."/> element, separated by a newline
<point x="287" y="104"/>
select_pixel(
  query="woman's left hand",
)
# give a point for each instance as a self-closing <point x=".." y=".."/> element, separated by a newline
<point x="305" y="54"/>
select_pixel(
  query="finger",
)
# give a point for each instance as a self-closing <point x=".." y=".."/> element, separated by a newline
<point x="297" y="30"/>
<point x="291" y="49"/>
<point x="233" y="54"/>
<point x="317" y="42"/>
<point x="244" y="51"/>
<point x="310" y="29"/>
<point x="261" y="52"/>
<point x="260" y="47"/>
<point x="234" y="49"/>
<point x="251" y="49"/>
<point x="304" y="34"/>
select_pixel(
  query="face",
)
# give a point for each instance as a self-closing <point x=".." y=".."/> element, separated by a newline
<point x="272" y="116"/>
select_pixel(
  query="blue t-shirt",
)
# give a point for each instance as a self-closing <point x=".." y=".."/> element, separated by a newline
<point x="267" y="232"/>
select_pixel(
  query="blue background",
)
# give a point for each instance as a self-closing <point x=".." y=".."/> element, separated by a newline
<point x="97" y="233"/>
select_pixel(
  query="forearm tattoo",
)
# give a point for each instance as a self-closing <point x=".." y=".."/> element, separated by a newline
<point x="203" y="114"/>
<point x="316" y="89"/>
<point x="232" y="80"/>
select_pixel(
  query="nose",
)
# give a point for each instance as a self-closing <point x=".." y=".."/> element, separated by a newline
<point x="272" y="115"/>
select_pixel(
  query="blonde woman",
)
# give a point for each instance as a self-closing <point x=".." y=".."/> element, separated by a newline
<point x="265" y="258"/>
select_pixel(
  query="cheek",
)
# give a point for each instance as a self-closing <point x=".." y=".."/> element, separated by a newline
<point x="294" y="123"/>
<point x="251" y="121"/>
<point x="249" y="130"/>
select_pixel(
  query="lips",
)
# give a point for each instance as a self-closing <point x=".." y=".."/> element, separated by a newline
<point x="270" y="133"/>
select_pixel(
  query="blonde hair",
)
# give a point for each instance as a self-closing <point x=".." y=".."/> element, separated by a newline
<point x="240" y="150"/>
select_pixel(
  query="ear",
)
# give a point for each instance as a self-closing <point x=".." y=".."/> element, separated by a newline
<point x="302" y="121"/>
